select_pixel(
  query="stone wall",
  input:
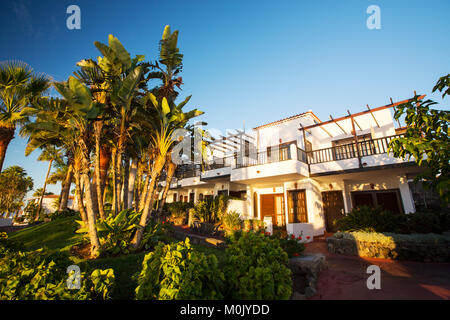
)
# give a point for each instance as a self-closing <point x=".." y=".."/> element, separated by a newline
<point x="413" y="251"/>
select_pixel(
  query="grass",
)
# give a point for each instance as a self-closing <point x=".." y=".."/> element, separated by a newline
<point x="60" y="235"/>
<point x="55" y="235"/>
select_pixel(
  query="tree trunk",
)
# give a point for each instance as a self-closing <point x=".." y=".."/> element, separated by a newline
<point x="79" y="195"/>
<point x="155" y="173"/>
<point x="64" y="199"/>
<point x="94" y="195"/>
<point x="131" y="182"/>
<point x="6" y="135"/>
<point x="43" y="190"/>
<point x="98" y="181"/>
<point x="118" y="181"/>
<point x="114" y="184"/>
<point x="95" y="243"/>
<point x="170" y="172"/>
<point x="105" y="159"/>
<point x="126" y="179"/>
<point x="144" y="192"/>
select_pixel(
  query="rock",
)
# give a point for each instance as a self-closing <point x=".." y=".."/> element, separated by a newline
<point x="310" y="292"/>
<point x="298" y="296"/>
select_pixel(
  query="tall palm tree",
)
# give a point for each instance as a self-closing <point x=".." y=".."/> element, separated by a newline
<point x="50" y="154"/>
<point x="19" y="85"/>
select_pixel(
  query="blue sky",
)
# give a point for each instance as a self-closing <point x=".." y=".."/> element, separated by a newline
<point x="257" y="61"/>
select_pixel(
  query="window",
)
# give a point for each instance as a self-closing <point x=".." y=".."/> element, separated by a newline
<point x="174" y="197"/>
<point x="222" y="192"/>
<point x="389" y="200"/>
<point x="200" y="197"/>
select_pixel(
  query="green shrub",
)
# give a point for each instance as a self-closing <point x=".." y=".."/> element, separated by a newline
<point x="177" y="271"/>
<point x="232" y="220"/>
<point x="64" y="214"/>
<point x="413" y="247"/>
<point x="372" y="220"/>
<point x="256" y="268"/>
<point x="211" y="210"/>
<point x="429" y="221"/>
<point x="258" y="224"/>
<point x="178" y="209"/>
<point x="291" y="245"/>
<point x="115" y="232"/>
<point x="206" y="228"/>
<point x="42" y="275"/>
<point x="377" y="220"/>
<point x="6" y="245"/>
<point x="154" y="232"/>
<point x="393" y="238"/>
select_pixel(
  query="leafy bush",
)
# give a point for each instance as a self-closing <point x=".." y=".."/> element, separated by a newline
<point x="6" y="245"/>
<point x="42" y="275"/>
<point x="63" y="214"/>
<point x="372" y="220"/>
<point x="232" y="220"/>
<point x="206" y="228"/>
<point x="211" y="210"/>
<point x="412" y="247"/>
<point x="392" y="238"/>
<point x="177" y="271"/>
<point x="179" y="209"/>
<point x="429" y="221"/>
<point x="115" y="232"/>
<point x="377" y="220"/>
<point x="291" y="245"/>
<point x="154" y="232"/>
<point x="256" y="268"/>
<point x="258" y="224"/>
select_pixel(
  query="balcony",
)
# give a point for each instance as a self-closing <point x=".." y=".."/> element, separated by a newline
<point x="350" y="151"/>
<point x="289" y="160"/>
<point x="373" y="152"/>
<point x="285" y="160"/>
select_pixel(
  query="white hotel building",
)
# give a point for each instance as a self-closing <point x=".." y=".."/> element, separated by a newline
<point x="303" y="173"/>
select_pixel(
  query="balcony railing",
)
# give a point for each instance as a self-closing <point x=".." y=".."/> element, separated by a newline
<point x="278" y="154"/>
<point x="350" y="151"/>
<point x="264" y="157"/>
<point x="219" y="163"/>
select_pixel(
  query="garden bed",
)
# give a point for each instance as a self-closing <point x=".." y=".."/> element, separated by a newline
<point x="181" y="233"/>
<point x="413" y="247"/>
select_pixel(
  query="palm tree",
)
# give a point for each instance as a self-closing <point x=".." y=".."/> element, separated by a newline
<point x="171" y="117"/>
<point x="50" y="154"/>
<point x="81" y="110"/>
<point x="19" y="85"/>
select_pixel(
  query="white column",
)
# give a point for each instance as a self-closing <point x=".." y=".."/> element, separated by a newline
<point x="405" y="192"/>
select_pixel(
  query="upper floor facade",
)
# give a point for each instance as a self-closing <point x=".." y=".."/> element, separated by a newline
<point x="299" y="146"/>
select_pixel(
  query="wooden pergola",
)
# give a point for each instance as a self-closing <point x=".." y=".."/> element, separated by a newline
<point x="363" y="121"/>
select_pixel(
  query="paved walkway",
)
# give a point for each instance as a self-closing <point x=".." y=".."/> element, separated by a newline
<point x="346" y="278"/>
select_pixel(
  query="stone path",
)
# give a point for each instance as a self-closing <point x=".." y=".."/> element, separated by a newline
<point x="346" y="278"/>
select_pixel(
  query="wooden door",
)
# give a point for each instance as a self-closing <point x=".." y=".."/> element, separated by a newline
<point x="272" y="205"/>
<point x="333" y="207"/>
<point x="297" y="211"/>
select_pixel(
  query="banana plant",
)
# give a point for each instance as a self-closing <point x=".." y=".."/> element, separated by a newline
<point x="115" y="231"/>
